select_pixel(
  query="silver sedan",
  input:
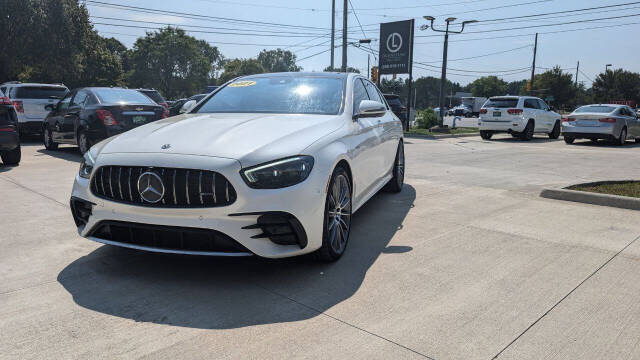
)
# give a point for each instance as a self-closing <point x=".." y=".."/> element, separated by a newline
<point x="616" y="123"/>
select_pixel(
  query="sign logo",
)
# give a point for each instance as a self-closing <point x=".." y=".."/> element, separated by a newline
<point x="150" y="187"/>
<point x="394" y="42"/>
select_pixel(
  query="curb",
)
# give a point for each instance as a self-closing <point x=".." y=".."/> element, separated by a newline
<point x="622" y="202"/>
<point x="435" y="137"/>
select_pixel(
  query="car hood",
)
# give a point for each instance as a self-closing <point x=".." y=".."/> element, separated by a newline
<point x="248" y="138"/>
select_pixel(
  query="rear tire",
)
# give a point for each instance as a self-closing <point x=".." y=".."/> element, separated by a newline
<point x="555" y="133"/>
<point x="637" y="140"/>
<point x="395" y="184"/>
<point x="47" y="140"/>
<point x="569" y="139"/>
<point x="12" y="157"/>
<point x="485" y="134"/>
<point x="337" y="217"/>
<point x="527" y="133"/>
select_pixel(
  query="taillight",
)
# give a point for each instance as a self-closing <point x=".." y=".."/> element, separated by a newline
<point x="568" y="119"/>
<point x="107" y="117"/>
<point x="607" y="120"/>
<point x="19" y="107"/>
<point x="514" y="111"/>
<point x="165" y="105"/>
<point x="5" y="101"/>
<point x="7" y="129"/>
<point x="483" y="111"/>
<point x="165" y="113"/>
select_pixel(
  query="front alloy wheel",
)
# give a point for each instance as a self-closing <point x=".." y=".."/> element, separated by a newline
<point x="83" y="142"/>
<point x="337" y="217"/>
<point x="49" y="144"/>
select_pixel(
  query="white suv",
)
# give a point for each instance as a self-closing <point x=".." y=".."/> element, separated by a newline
<point x="520" y="116"/>
<point x="30" y="100"/>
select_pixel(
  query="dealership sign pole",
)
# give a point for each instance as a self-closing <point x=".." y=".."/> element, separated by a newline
<point x="396" y="53"/>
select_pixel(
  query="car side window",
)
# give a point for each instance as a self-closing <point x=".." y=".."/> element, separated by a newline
<point x="3" y="89"/>
<point x="531" y="104"/>
<point x="543" y="105"/>
<point x="372" y="91"/>
<point x="80" y="99"/>
<point x="64" y="103"/>
<point x="359" y="94"/>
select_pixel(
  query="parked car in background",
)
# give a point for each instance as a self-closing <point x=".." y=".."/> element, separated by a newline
<point x="520" y="116"/>
<point x="29" y="100"/>
<point x="155" y="96"/>
<point x="274" y="163"/>
<point x="473" y="105"/>
<point x="397" y="106"/>
<point x="9" y="138"/>
<point x="87" y="115"/>
<point x="612" y="122"/>
<point x="461" y="110"/>
<point x="175" y="106"/>
<point x="191" y="102"/>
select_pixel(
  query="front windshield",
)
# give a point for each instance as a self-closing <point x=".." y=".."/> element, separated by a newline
<point x="278" y="94"/>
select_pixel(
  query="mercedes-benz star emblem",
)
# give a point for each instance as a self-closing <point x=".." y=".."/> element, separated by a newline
<point x="165" y="146"/>
<point x="150" y="187"/>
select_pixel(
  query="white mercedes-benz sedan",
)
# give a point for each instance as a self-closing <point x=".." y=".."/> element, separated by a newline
<point x="272" y="165"/>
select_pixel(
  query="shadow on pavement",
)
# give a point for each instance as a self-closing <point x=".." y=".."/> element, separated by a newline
<point x="64" y="153"/>
<point x="223" y="293"/>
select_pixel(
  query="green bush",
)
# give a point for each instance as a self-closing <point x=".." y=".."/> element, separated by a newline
<point x="427" y="119"/>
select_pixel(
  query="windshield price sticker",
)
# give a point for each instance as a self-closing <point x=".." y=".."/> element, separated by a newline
<point x="242" y="83"/>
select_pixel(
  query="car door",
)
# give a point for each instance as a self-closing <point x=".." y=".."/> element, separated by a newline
<point x="548" y="115"/>
<point x="386" y="124"/>
<point x="73" y="114"/>
<point x="531" y="111"/>
<point x="363" y="144"/>
<point x="630" y="120"/>
<point x="56" y="118"/>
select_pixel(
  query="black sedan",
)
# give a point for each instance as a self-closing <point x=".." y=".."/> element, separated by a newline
<point x="87" y="115"/>
<point x="9" y="138"/>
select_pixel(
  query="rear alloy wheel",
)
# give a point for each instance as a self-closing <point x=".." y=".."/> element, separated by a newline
<point x="485" y="134"/>
<point x="527" y="133"/>
<point x="12" y="157"/>
<point x="623" y="137"/>
<point x="337" y="217"/>
<point x="569" y="139"/>
<point x="555" y="133"/>
<point x="83" y="142"/>
<point x="49" y="144"/>
<point x="395" y="184"/>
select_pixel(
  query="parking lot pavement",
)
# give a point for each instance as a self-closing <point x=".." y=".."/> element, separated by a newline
<point x="466" y="263"/>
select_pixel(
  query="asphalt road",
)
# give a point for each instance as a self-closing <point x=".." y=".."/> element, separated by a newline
<point x="466" y="263"/>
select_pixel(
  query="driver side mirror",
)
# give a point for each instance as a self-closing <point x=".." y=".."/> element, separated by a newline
<point x="188" y="106"/>
<point x="370" y="108"/>
<point x="49" y="107"/>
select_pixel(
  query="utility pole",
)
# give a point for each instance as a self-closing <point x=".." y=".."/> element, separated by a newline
<point x="344" y="35"/>
<point x="533" y="67"/>
<point x="577" y="71"/>
<point x="368" y="67"/>
<point x="333" y="32"/>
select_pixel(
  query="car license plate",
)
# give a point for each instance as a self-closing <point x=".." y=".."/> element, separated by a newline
<point x="497" y="114"/>
<point x="137" y="120"/>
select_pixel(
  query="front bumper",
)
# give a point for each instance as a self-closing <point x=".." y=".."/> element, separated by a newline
<point x="304" y="201"/>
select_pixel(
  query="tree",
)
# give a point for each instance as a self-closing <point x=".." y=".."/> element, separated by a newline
<point x="488" y="86"/>
<point x="516" y="87"/>
<point x="556" y="84"/>
<point x="349" y="69"/>
<point x="174" y="63"/>
<point x="278" y="60"/>
<point x="241" y="67"/>
<point x="617" y="84"/>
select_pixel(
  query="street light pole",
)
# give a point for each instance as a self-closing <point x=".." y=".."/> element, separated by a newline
<point x="333" y="32"/>
<point x="345" y="11"/>
<point x="443" y="78"/>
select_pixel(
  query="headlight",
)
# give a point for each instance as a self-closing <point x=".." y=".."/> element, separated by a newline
<point x="86" y="166"/>
<point x="278" y="174"/>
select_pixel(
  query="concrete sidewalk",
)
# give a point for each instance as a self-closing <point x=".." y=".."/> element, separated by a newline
<point x="466" y="263"/>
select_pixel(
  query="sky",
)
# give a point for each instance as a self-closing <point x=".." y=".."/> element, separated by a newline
<point x="502" y="47"/>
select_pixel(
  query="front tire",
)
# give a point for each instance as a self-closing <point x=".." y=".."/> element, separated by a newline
<point x="83" y="142"/>
<point x="47" y="140"/>
<point x="337" y="217"/>
<point x="485" y="134"/>
<point x="623" y="137"/>
<point x="555" y="133"/>
<point x="395" y="184"/>
<point x="12" y="157"/>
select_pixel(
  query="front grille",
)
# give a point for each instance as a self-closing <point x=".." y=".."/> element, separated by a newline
<point x="183" y="188"/>
<point x="166" y="237"/>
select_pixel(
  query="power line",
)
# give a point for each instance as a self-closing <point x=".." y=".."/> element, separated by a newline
<point x="585" y="75"/>
<point x="363" y="33"/>
<point x="562" y="12"/>
<point x="480" y="56"/>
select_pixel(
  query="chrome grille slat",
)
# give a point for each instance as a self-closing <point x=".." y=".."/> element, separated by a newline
<point x="220" y="192"/>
